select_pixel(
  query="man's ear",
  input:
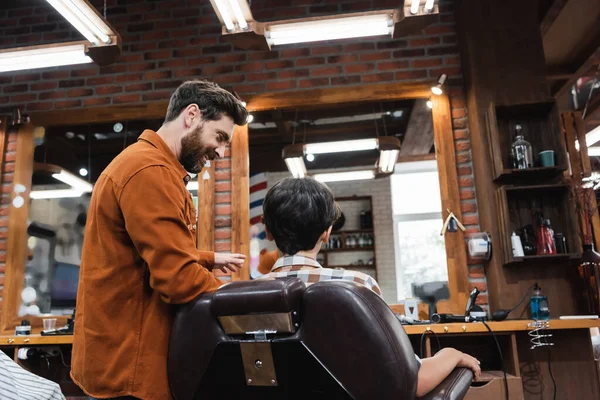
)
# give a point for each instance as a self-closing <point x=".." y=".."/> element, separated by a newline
<point x="190" y="114"/>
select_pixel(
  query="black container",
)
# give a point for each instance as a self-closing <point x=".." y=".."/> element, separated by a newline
<point x="561" y="243"/>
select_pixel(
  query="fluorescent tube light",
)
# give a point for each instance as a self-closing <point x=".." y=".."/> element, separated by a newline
<point x="341" y="146"/>
<point x="192" y="186"/>
<point x="296" y="166"/>
<point x="239" y="15"/>
<point x="74" y="181"/>
<point x="414" y="7"/>
<point x="330" y="29"/>
<point x="594" y="151"/>
<point x="54" y="194"/>
<point x="223" y="12"/>
<point x="345" y="176"/>
<point x="387" y="160"/>
<point x="429" y="5"/>
<point x="43" y="57"/>
<point x="85" y="19"/>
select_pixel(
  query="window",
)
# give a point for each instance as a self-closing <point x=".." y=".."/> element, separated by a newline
<point x="417" y="207"/>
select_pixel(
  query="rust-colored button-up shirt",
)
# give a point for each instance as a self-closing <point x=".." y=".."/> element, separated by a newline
<point x="139" y="258"/>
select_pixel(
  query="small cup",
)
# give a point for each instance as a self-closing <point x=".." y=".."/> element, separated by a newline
<point x="547" y="158"/>
<point x="49" y="324"/>
<point x="411" y="308"/>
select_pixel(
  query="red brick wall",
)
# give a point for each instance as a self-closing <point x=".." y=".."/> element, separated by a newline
<point x="168" y="41"/>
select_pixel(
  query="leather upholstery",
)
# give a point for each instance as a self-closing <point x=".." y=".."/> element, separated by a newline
<point x="354" y="339"/>
<point x="454" y="387"/>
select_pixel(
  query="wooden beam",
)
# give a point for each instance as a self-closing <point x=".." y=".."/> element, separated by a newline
<point x="17" y="232"/>
<point x="3" y="143"/>
<point x="555" y="9"/>
<point x="418" y="138"/>
<point x="206" y="209"/>
<point x="240" y="199"/>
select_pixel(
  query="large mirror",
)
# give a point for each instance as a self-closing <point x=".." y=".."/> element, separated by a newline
<point x="391" y="224"/>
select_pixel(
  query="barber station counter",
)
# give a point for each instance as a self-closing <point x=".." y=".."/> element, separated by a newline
<point x="571" y="356"/>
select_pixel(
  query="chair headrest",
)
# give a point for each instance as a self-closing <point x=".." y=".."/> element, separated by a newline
<point x="258" y="296"/>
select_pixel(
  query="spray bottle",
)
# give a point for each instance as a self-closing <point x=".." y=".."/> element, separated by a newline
<point x="539" y="305"/>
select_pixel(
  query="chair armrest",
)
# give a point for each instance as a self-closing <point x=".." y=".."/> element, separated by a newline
<point x="454" y="387"/>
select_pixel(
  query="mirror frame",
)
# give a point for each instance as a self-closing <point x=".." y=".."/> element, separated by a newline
<point x="458" y="284"/>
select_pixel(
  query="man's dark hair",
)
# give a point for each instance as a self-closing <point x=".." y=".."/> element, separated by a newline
<point x="297" y="211"/>
<point x="212" y="100"/>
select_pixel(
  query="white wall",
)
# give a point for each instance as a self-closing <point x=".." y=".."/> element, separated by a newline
<point x="380" y="191"/>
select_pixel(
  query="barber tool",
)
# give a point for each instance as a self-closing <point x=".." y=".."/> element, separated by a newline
<point x="24" y="329"/>
<point x="452" y="224"/>
<point x="443" y="318"/>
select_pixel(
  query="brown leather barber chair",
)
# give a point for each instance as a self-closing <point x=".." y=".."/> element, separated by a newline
<point x="277" y="339"/>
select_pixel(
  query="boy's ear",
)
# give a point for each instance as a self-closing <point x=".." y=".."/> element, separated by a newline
<point x="326" y="234"/>
<point x="269" y="236"/>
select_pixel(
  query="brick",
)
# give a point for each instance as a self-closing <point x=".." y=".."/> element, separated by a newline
<point x="438" y="29"/>
<point x="232" y="58"/>
<point x="305" y="62"/>
<point x="67" y="103"/>
<point x="250" y="67"/>
<point x="145" y="27"/>
<point x="263" y="55"/>
<point x="223" y="209"/>
<point x="129" y="78"/>
<point x="345" y="80"/>
<point x="426" y="63"/>
<point x="326" y="71"/>
<point x="55" y="36"/>
<point x="223" y="163"/>
<point x="463" y="145"/>
<point x="358" y="68"/>
<point x="142" y="47"/>
<point x="26" y="77"/>
<point x="156" y="95"/>
<point x="470" y="220"/>
<point x="414" y="74"/>
<point x="113" y="69"/>
<point x="223" y="246"/>
<point x="108" y="89"/>
<point x="221" y="234"/>
<point x="295" y="73"/>
<point x="223" y="198"/>
<point x="344" y="58"/>
<point x="392" y="44"/>
<point x="158" y="55"/>
<point x="392" y="65"/>
<point x="172" y="44"/>
<point x="482" y="299"/>
<point x="228" y="79"/>
<point x="52" y="95"/>
<point x="71" y="83"/>
<point x="408" y="53"/>
<point x="250" y="88"/>
<point x="459" y="113"/>
<point x="464" y="171"/>
<point x="127" y="98"/>
<point x="80" y="92"/>
<point x="219" y="49"/>
<point x="476" y="273"/>
<point x="222" y="221"/>
<point x="308" y="83"/>
<point x="466" y="194"/>
<point x="138" y="87"/>
<point x="43" y="86"/>
<point x="468" y="207"/>
<point x="218" y="69"/>
<point x="380" y="77"/>
<point x="424" y="42"/>
<point x="281" y="85"/>
<point x="223" y="187"/>
<point x="481" y="286"/>
<point x="156" y="75"/>
<point x="280" y="64"/>
<point x="103" y="80"/>
<point x="15" y="88"/>
<point x="140" y="67"/>
<point x="188" y="72"/>
<point x="38" y="107"/>
<point x="447" y="39"/>
<point x="381" y="55"/>
<point x="167" y="84"/>
<point x="154" y="36"/>
<point x="461" y="134"/>
<point x="459" y="123"/>
<point x="131" y="58"/>
<point x="318" y="50"/>
<point x="439" y="51"/>
<point x="176" y="63"/>
<point x="56" y="74"/>
<point x="452" y="60"/>
<point x="450" y="71"/>
<point x="261" y="76"/>
<point x="23" y="98"/>
<point x="364" y="46"/>
<point x="463" y="158"/>
<point x="96" y="101"/>
<point x="293" y="53"/>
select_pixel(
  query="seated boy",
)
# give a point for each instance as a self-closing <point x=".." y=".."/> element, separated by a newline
<point x="298" y="215"/>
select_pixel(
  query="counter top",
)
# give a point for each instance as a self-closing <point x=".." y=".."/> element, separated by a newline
<point x="474" y="327"/>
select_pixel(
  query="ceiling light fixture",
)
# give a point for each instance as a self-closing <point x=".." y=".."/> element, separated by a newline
<point x="234" y="15"/>
<point x="78" y="185"/>
<point x="591" y="138"/>
<point x="429" y="5"/>
<point x="310" y="157"/>
<point x="83" y="171"/>
<point x="54" y="194"/>
<point x="414" y="7"/>
<point x="84" y="17"/>
<point x="437" y="89"/>
<point x="330" y="28"/>
<point x="341" y="146"/>
<point x="345" y="176"/>
<point x="43" y="56"/>
<point x="429" y="103"/>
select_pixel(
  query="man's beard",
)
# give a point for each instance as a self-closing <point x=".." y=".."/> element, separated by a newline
<point x="193" y="151"/>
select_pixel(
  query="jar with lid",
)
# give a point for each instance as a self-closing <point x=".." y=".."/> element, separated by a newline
<point x="521" y="151"/>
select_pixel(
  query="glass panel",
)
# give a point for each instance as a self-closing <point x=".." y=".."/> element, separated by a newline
<point x="421" y="254"/>
<point x="423" y="196"/>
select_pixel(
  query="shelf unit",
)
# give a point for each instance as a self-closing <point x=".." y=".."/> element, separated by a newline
<point x="351" y="213"/>
<point x="540" y="127"/>
<point x="518" y="206"/>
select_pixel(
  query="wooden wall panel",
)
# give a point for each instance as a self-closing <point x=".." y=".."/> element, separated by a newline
<point x="240" y="199"/>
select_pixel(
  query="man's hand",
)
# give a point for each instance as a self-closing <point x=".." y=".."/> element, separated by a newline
<point x="467" y="361"/>
<point x="229" y="262"/>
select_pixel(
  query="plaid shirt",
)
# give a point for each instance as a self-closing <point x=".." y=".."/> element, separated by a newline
<point x="310" y="271"/>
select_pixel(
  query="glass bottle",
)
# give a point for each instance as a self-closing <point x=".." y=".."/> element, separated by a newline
<point x="545" y="241"/>
<point x="589" y="272"/>
<point x="521" y="151"/>
<point x="539" y="305"/>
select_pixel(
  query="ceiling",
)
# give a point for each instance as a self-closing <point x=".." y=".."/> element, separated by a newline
<point x="93" y="146"/>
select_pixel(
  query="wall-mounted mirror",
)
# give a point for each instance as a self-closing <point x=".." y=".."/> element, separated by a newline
<point x="391" y="225"/>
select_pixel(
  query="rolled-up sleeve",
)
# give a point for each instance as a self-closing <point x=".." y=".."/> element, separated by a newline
<point x="154" y="210"/>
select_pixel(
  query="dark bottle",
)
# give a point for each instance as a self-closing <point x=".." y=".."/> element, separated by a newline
<point x="528" y="242"/>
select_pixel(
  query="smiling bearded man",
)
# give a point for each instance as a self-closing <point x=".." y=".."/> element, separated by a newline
<point x="139" y="253"/>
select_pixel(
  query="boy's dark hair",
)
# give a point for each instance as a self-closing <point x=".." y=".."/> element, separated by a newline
<point x="297" y="211"/>
<point x="212" y="100"/>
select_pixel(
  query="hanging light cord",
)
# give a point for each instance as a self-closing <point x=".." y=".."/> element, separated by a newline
<point x="587" y="103"/>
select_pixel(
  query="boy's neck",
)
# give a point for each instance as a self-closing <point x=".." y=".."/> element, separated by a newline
<point x="312" y="254"/>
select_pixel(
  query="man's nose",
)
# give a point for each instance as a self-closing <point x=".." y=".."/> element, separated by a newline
<point x="220" y="151"/>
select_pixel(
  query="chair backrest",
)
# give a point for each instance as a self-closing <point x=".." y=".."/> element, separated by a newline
<point x="276" y="339"/>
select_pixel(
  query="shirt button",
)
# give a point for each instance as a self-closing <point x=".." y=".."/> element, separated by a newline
<point x="186" y="179"/>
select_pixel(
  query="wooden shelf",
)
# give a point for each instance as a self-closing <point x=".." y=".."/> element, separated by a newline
<point x="34" y="339"/>
<point x="352" y="231"/>
<point x="365" y="266"/>
<point x="545" y="259"/>
<point x="529" y="174"/>
<point x="348" y="249"/>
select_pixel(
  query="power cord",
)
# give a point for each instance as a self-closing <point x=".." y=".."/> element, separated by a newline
<point x="501" y="358"/>
<point x="550" y="372"/>
<point x="422" y="350"/>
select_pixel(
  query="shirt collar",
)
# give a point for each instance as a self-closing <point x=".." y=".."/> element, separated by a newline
<point x="288" y="261"/>
<point x="152" y="137"/>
